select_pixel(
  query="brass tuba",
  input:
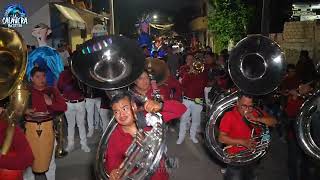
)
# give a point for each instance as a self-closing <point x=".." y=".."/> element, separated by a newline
<point x="13" y="60"/>
<point x="112" y="63"/>
<point x="307" y="126"/>
<point x="256" y="66"/>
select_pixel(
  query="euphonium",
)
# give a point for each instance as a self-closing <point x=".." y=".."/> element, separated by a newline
<point x="13" y="60"/>
<point x="256" y="66"/>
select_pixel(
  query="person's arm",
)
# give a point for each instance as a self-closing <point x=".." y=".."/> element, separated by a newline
<point x="169" y="109"/>
<point x="225" y="139"/>
<point x="265" y="119"/>
<point x="58" y="102"/>
<point x="172" y="109"/>
<point x="22" y="156"/>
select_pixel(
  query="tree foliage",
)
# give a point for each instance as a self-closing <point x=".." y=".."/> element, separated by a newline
<point x="228" y="20"/>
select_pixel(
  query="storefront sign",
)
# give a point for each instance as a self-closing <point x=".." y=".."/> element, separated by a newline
<point x="14" y="16"/>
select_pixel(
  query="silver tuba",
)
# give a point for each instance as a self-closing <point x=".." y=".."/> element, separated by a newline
<point x="307" y="126"/>
<point x="256" y="66"/>
<point x="112" y="63"/>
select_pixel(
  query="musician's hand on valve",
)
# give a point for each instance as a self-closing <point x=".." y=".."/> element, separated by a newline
<point x="249" y="115"/>
<point x="114" y="175"/>
<point x="249" y="143"/>
<point x="152" y="106"/>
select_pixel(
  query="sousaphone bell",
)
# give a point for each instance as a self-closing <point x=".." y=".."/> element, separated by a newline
<point x="256" y="66"/>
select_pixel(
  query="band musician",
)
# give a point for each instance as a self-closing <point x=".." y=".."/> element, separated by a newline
<point x="236" y="131"/>
<point x="125" y="110"/>
<point x="44" y="103"/>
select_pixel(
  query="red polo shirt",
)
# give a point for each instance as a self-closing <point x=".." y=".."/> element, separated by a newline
<point x="293" y="106"/>
<point x="193" y="85"/>
<point x="233" y="125"/>
<point x="68" y="86"/>
<point x="120" y="141"/>
<point x="165" y="90"/>
<point x="19" y="156"/>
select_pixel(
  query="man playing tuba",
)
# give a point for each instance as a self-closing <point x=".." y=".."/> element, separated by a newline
<point x="236" y="131"/>
<point x="125" y="114"/>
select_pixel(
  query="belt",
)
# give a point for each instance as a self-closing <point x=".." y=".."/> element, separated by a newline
<point x="196" y="100"/>
<point x="75" y="101"/>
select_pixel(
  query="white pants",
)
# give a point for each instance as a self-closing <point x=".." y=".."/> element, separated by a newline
<point x="105" y="116"/>
<point x="76" y="114"/>
<point x="51" y="173"/>
<point x="91" y="104"/>
<point x="193" y="110"/>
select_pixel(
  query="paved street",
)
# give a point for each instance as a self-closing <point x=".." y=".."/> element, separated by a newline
<point x="193" y="162"/>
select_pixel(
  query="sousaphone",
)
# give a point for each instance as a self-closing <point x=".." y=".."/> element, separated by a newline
<point x="256" y="66"/>
<point x="13" y="61"/>
<point x="112" y="63"/>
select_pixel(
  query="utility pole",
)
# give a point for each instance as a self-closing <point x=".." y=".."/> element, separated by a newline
<point x="111" y="10"/>
<point x="265" y="19"/>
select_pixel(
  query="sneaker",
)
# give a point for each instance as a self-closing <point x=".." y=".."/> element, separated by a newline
<point x="85" y="148"/>
<point x="180" y="140"/>
<point x="70" y="147"/>
<point x="90" y="133"/>
<point x="194" y="140"/>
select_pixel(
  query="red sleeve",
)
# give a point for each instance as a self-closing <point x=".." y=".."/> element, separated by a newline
<point x="172" y="109"/>
<point x="226" y="123"/>
<point x="61" y="82"/>
<point x="20" y="155"/>
<point x="113" y="157"/>
<point x="58" y="103"/>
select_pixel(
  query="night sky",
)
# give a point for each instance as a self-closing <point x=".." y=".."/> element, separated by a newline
<point x="182" y="11"/>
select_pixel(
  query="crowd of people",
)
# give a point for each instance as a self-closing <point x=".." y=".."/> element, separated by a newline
<point x="184" y="95"/>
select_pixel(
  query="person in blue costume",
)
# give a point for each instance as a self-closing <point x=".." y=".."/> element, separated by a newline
<point x="144" y="38"/>
<point x="44" y="56"/>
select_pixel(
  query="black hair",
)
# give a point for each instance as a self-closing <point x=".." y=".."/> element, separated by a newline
<point x="35" y="70"/>
<point x="291" y="66"/>
<point x="243" y="94"/>
<point x="119" y="96"/>
<point x="304" y="53"/>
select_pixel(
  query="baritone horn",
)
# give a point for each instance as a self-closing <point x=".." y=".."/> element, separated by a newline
<point x="256" y="66"/>
<point x="13" y="61"/>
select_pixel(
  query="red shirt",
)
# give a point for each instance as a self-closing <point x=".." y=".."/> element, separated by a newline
<point x="166" y="88"/>
<point x="120" y="141"/>
<point x="293" y="106"/>
<point x="19" y="156"/>
<point x="68" y="86"/>
<point x="193" y="84"/>
<point x="234" y="126"/>
<point x="39" y="104"/>
<point x="290" y="83"/>
<point x="184" y="69"/>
